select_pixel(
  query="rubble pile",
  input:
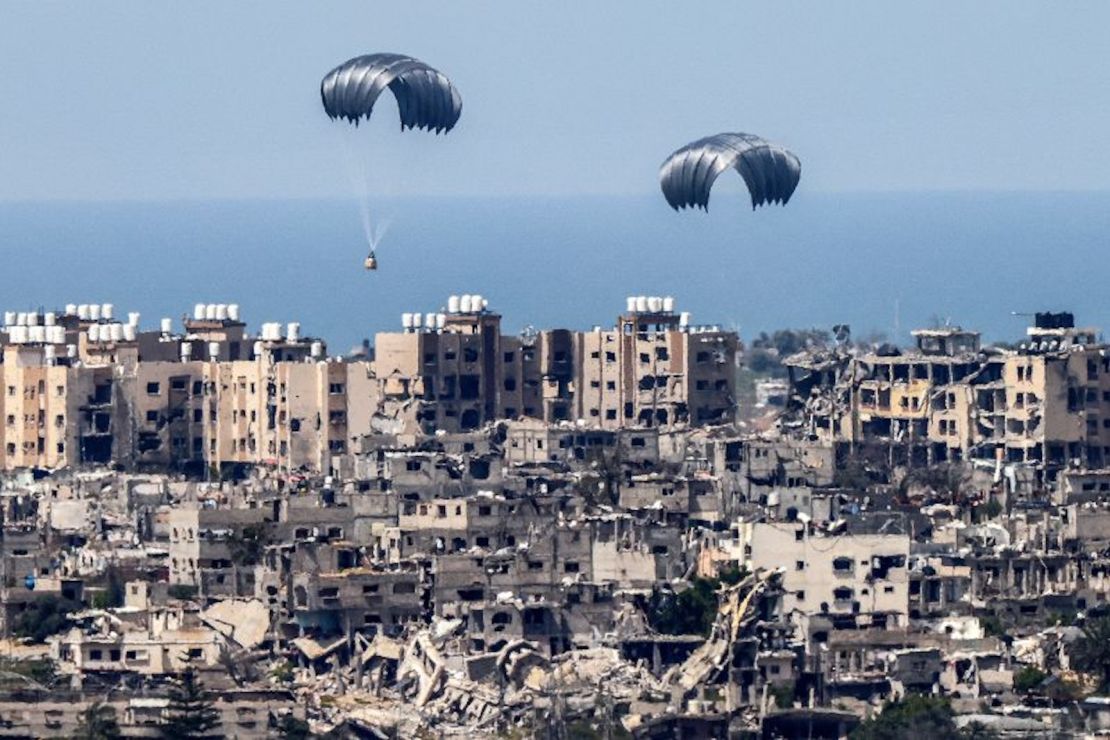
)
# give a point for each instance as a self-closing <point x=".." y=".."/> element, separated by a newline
<point x="924" y="524"/>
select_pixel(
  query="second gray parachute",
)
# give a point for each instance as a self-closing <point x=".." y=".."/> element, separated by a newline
<point x="426" y="99"/>
<point x="770" y="171"/>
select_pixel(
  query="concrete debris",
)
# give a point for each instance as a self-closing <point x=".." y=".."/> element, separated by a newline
<point x="463" y="533"/>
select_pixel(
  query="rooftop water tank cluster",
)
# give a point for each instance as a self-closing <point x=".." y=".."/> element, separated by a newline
<point x="416" y="322"/>
<point x="90" y="311"/>
<point x="29" y="318"/>
<point x="114" y="332"/>
<point x="271" y="331"/>
<point x="466" y="304"/>
<point x="36" y="334"/>
<point x="649" y="304"/>
<point x="216" y="312"/>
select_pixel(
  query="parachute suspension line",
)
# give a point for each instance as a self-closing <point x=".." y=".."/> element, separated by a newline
<point x="426" y="100"/>
<point x="357" y="165"/>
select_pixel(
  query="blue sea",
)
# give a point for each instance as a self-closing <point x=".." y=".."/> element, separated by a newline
<point x="884" y="264"/>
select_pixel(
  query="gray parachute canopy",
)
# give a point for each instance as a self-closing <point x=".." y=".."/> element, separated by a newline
<point x="425" y="97"/>
<point x="770" y="171"/>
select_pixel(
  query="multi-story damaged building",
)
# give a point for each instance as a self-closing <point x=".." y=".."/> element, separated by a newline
<point x="857" y="577"/>
<point x="1041" y="404"/>
<point x="656" y="370"/>
<point x="456" y="371"/>
<point x="473" y="533"/>
<point x="82" y="387"/>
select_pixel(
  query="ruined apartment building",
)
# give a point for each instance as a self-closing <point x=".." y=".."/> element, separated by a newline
<point x="84" y="390"/>
<point x="1046" y="403"/>
<point x="861" y="576"/>
<point x="456" y="371"/>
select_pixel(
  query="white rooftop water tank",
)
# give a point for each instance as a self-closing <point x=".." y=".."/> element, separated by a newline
<point x="684" y="319"/>
<point x="133" y="318"/>
<point x="476" y="303"/>
<point x="186" y="351"/>
<point x="130" y="333"/>
<point x="116" y="332"/>
<point x="441" y="320"/>
<point x="49" y="318"/>
<point x="21" y="318"/>
<point x="213" y="350"/>
<point x="71" y="309"/>
<point x="83" y="311"/>
<point x="641" y="304"/>
<point x="430" y="320"/>
<point x="94" y="312"/>
<point x="655" y="304"/>
<point x="453" y="304"/>
<point x="293" y="332"/>
<point x="258" y="346"/>
<point x="465" y="304"/>
<point x="38" y="333"/>
<point x="668" y="303"/>
<point x="94" y="332"/>
<point x="630" y="304"/>
<point x="9" y="318"/>
<point x="209" y="311"/>
<point x="167" y="326"/>
<point x="71" y="351"/>
<point x="233" y="311"/>
<point x="198" y="312"/>
<point x="48" y="354"/>
<point x="221" y="311"/>
<point x="406" y="320"/>
<point x="317" y="349"/>
<point x="106" y="310"/>
<point x="417" y="320"/>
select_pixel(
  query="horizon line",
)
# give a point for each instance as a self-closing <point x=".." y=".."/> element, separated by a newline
<point x="263" y="198"/>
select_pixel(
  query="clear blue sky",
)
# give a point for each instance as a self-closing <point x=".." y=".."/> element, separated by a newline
<point x="219" y="99"/>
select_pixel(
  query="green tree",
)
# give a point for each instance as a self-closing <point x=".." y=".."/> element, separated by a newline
<point x="98" y="722"/>
<point x="1091" y="652"/>
<point x="182" y="591"/>
<point x="191" y="713"/>
<point x="992" y="626"/>
<point x="248" y="545"/>
<point x="987" y="510"/>
<point x="45" y="616"/>
<point x="912" y="718"/>
<point x="689" y="612"/>
<point x="949" y="481"/>
<point x="113" y="594"/>
<point x="291" y="728"/>
<point x="783" y="695"/>
<point x="40" y="671"/>
<point x="1028" y="679"/>
<point x="978" y="731"/>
